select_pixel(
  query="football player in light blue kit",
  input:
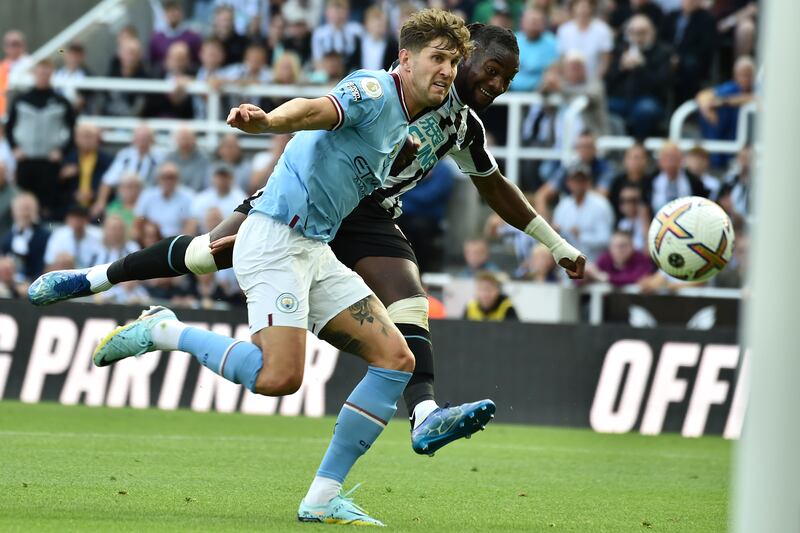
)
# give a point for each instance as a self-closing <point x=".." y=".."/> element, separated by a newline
<point x="292" y="280"/>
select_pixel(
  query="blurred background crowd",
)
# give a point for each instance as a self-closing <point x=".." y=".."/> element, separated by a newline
<point x="69" y="200"/>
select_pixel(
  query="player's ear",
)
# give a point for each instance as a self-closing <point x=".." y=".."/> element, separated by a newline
<point x="405" y="59"/>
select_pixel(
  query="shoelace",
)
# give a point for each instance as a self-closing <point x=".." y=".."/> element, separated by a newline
<point x="346" y="497"/>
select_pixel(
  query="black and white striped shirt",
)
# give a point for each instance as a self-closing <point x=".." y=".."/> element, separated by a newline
<point x="129" y="160"/>
<point x="451" y="129"/>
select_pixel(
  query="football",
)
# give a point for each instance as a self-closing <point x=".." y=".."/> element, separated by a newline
<point x="691" y="238"/>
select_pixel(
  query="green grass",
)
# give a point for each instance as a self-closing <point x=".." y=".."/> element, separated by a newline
<point x="79" y="468"/>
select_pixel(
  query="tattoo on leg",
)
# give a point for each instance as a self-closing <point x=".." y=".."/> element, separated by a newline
<point x="343" y="341"/>
<point x="361" y="311"/>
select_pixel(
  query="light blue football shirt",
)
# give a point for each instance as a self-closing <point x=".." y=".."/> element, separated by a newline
<point x="323" y="175"/>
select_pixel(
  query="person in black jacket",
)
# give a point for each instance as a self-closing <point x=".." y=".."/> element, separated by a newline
<point x="39" y="129"/>
<point x="27" y="239"/>
<point x="638" y="78"/>
<point x="693" y="33"/>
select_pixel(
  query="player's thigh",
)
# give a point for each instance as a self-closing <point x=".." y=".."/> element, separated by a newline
<point x="346" y="313"/>
<point x="391" y="278"/>
<point x="364" y="329"/>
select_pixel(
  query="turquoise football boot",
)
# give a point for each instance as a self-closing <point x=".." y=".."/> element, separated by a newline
<point x="59" y="285"/>
<point x="133" y="339"/>
<point x="446" y="424"/>
<point x="340" y="510"/>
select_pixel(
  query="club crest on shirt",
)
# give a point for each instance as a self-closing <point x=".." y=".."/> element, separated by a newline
<point x="353" y="90"/>
<point x="287" y="302"/>
<point x="372" y="87"/>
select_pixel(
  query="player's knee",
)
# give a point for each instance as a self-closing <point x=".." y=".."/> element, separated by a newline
<point x="198" y="256"/>
<point x="402" y="359"/>
<point x="272" y="384"/>
<point x="410" y="311"/>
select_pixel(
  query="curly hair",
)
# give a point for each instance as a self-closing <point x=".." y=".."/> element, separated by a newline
<point x="484" y="36"/>
<point x="429" y="25"/>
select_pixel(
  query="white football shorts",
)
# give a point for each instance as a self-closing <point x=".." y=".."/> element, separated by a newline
<point x="289" y="279"/>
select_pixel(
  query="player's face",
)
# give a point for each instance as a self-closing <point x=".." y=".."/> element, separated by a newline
<point x="433" y="70"/>
<point x="485" y="76"/>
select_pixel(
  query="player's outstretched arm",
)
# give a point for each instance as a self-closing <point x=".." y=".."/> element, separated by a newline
<point x="507" y="200"/>
<point x="295" y="115"/>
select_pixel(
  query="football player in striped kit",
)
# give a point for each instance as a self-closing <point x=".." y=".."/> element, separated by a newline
<point x="370" y="242"/>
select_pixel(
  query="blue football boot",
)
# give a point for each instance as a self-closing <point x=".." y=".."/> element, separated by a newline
<point x="59" y="285"/>
<point x="133" y="339"/>
<point x="446" y="424"/>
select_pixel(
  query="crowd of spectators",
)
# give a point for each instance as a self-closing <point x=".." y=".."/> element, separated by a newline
<point x="67" y="201"/>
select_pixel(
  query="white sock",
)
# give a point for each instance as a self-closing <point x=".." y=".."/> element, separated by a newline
<point x="98" y="278"/>
<point x="322" y="490"/>
<point x="422" y="410"/>
<point x="167" y="333"/>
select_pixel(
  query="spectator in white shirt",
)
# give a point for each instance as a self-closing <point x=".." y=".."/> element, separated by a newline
<point x="139" y="158"/>
<point x="77" y="238"/>
<point x="74" y="69"/>
<point x="589" y="35"/>
<point x="378" y="48"/>
<point x="338" y="34"/>
<point x="192" y="162"/>
<point x="222" y="195"/>
<point x="168" y="205"/>
<point x="253" y="70"/>
<point x="585" y="218"/>
<point x="115" y="244"/>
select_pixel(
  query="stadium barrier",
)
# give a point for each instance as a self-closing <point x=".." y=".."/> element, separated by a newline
<point x="611" y="378"/>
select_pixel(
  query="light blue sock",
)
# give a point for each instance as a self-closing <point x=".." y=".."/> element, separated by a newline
<point x="364" y="415"/>
<point x="236" y="361"/>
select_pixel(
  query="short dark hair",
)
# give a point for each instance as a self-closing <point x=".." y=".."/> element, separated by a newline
<point x="487" y="35"/>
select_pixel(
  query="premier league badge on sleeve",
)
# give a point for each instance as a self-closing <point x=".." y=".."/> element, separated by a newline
<point x="372" y="87"/>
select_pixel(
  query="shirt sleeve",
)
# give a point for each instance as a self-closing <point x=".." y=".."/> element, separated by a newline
<point x="359" y="99"/>
<point x="474" y="158"/>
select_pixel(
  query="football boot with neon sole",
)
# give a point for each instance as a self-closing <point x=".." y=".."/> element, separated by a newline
<point x="58" y="286"/>
<point x="132" y="339"/>
<point x="340" y="510"/>
<point x="446" y="424"/>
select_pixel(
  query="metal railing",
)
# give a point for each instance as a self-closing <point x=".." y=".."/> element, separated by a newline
<point x="211" y="128"/>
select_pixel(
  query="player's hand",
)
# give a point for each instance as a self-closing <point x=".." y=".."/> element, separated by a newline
<point x="407" y="153"/>
<point x="248" y="118"/>
<point x="570" y="259"/>
<point x="222" y="244"/>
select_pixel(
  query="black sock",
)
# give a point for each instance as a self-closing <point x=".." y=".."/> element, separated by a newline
<point x="420" y="387"/>
<point x="165" y="259"/>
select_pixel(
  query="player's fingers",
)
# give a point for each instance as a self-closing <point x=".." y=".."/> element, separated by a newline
<point x="244" y="113"/>
<point x="232" y="116"/>
<point x="222" y="243"/>
<point x="575" y="269"/>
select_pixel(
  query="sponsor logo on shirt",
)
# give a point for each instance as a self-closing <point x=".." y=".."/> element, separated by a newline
<point x="353" y="89"/>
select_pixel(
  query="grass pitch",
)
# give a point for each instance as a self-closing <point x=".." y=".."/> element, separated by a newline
<point x="78" y="468"/>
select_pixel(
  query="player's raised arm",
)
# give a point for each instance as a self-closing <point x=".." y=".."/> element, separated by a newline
<point x="507" y="200"/>
<point x="297" y="114"/>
